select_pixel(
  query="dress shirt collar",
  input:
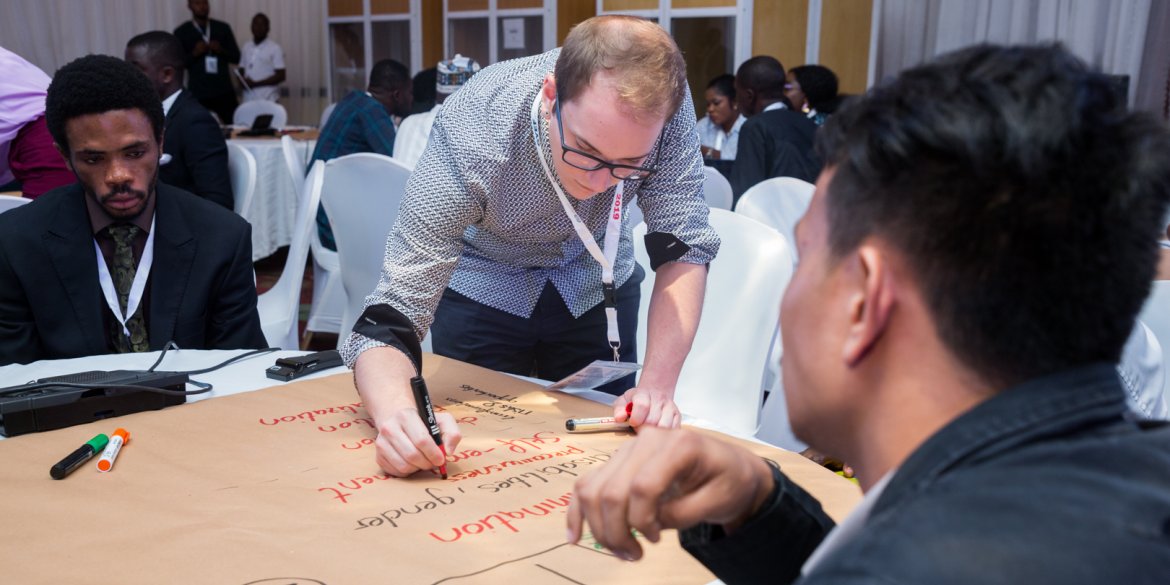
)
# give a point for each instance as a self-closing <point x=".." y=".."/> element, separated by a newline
<point x="775" y="106"/>
<point x="170" y="101"/>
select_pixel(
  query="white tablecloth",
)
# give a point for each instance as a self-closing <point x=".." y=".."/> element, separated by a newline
<point x="274" y="206"/>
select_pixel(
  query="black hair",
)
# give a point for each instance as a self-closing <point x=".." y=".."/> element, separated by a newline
<point x="264" y="16"/>
<point x="424" y="85"/>
<point x="96" y="84"/>
<point x="818" y="83"/>
<point x="389" y="74"/>
<point x="764" y="75"/>
<point x="162" y="48"/>
<point x="724" y="85"/>
<point x="1025" y="199"/>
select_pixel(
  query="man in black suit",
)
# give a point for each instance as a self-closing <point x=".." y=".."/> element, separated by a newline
<point x="118" y="262"/>
<point x="210" y="49"/>
<point x="775" y="141"/>
<point x="196" y="157"/>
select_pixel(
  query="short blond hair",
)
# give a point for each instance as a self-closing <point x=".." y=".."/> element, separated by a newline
<point x="649" y="73"/>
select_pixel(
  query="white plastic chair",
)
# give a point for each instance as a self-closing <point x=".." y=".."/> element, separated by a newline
<point x="362" y="218"/>
<point x="280" y="306"/>
<point x="328" y="111"/>
<point x="1156" y="316"/>
<point x="328" y="297"/>
<point x="246" y="113"/>
<point x="716" y="189"/>
<point x="242" y="168"/>
<point x="779" y="202"/>
<point x="722" y="378"/>
<point x="11" y="201"/>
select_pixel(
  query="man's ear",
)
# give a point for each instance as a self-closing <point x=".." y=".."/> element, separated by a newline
<point x="871" y="305"/>
<point x="65" y="155"/>
<point x="168" y="74"/>
<point x="548" y="92"/>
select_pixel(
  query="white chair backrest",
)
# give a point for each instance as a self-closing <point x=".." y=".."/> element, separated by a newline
<point x="722" y="378"/>
<point x="10" y="201"/>
<point x="716" y="189"/>
<point x="279" y="307"/>
<point x="292" y="160"/>
<point x="1156" y="316"/>
<point x="328" y="111"/>
<point x="779" y="203"/>
<point x="242" y="168"/>
<point x="246" y="113"/>
<point x="361" y="195"/>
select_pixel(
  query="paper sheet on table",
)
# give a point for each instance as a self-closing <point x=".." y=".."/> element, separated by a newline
<point x="282" y="483"/>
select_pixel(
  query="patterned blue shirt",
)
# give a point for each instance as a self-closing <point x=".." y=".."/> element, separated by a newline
<point x="358" y="123"/>
<point x="480" y="215"/>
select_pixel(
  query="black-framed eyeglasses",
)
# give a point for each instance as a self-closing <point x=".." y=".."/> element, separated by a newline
<point x="587" y="162"/>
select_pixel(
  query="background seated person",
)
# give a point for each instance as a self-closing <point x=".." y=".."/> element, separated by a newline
<point x="119" y="262"/>
<point x="719" y="129"/>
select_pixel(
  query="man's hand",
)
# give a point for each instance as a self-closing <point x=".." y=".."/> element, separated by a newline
<point x="652" y="407"/>
<point x="667" y="479"/>
<point x="215" y="47"/>
<point x="200" y="48"/>
<point x="404" y="444"/>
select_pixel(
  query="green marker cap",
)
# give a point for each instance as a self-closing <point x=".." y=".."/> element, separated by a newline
<point x="98" y="443"/>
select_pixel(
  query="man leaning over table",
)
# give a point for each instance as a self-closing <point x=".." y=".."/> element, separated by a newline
<point x="484" y="232"/>
<point x="977" y="248"/>
<point x="119" y="262"/>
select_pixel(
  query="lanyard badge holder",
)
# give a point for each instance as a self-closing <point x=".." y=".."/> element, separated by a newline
<point x="599" y="372"/>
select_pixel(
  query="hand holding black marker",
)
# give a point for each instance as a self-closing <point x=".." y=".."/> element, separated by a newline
<point x="427" y="411"/>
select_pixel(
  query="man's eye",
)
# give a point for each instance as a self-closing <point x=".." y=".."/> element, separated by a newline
<point x="136" y="154"/>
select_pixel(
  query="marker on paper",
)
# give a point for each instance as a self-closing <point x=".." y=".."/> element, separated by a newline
<point x="119" y="438"/>
<point x="74" y="460"/>
<point x="592" y="425"/>
<point x="426" y="410"/>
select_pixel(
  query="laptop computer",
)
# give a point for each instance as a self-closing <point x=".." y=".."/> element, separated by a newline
<point x="261" y="126"/>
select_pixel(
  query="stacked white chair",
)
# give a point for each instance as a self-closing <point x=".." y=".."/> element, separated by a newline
<point x="279" y="307"/>
<point x="10" y="201"/>
<point x="722" y="378"/>
<point x="328" y="111"/>
<point x="716" y="189"/>
<point x="328" y="296"/>
<point x="362" y="218"/>
<point x="246" y="113"/>
<point x="242" y="169"/>
<point x="779" y="203"/>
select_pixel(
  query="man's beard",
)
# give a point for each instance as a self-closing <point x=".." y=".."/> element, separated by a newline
<point x="140" y="195"/>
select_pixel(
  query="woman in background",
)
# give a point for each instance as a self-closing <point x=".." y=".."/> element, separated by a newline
<point x="719" y="129"/>
<point x="812" y="89"/>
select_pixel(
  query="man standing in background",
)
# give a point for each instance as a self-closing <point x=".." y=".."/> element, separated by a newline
<point x="211" y="49"/>
<point x="262" y="65"/>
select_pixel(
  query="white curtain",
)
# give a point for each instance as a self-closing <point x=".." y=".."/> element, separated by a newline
<point x="50" y="33"/>
<point x="1108" y="34"/>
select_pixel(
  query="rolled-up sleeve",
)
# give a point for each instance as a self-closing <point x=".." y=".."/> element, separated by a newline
<point x="672" y="199"/>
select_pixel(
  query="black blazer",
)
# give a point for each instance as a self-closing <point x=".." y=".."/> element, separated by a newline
<point x="199" y="156"/>
<point x="201" y="291"/>
<point x="774" y="144"/>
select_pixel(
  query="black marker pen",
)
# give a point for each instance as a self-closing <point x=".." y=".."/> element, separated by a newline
<point x="81" y="455"/>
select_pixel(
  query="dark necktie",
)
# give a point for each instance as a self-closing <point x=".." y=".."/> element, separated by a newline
<point x="123" y="276"/>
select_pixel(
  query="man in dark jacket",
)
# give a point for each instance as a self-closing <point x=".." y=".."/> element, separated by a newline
<point x="775" y="141"/>
<point x="970" y="268"/>
<point x="195" y="154"/>
<point x="118" y="262"/>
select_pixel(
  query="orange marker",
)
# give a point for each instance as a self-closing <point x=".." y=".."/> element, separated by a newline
<point x="119" y="438"/>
